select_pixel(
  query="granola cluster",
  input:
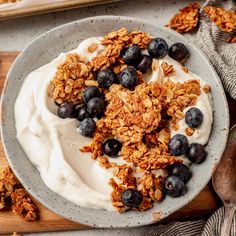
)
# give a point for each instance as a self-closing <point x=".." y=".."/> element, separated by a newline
<point x="7" y="185"/>
<point x="22" y="204"/>
<point x="186" y="20"/>
<point x="167" y="69"/>
<point x="224" y="19"/>
<point x="72" y="76"/>
<point x="75" y="73"/>
<point x="8" y="1"/>
<point x="232" y="39"/>
<point x="114" y="42"/>
<point x="140" y="119"/>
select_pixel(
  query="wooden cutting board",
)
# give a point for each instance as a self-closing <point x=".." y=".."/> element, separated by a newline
<point x="52" y="6"/>
<point x="201" y="207"/>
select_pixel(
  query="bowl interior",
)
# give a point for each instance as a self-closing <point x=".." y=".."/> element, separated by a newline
<point x="64" y="38"/>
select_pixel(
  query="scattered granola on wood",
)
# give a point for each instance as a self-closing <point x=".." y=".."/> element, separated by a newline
<point x="23" y="206"/>
<point x="8" y="1"/>
<point x="22" y="203"/>
<point x="224" y="19"/>
<point x="186" y="20"/>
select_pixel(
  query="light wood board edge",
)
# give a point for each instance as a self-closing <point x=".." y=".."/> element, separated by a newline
<point x="51" y="7"/>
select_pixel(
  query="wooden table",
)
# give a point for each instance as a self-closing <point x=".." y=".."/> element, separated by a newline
<point x="200" y="208"/>
<point x="52" y="6"/>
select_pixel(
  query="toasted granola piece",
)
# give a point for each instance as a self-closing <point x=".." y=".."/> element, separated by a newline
<point x="189" y="131"/>
<point x="151" y="186"/>
<point x="7" y="184"/>
<point x="185" y="69"/>
<point x="125" y="174"/>
<point x="70" y="80"/>
<point x="8" y="1"/>
<point x="186" y="20"/>
<point x="114" y="42"/>
<point x="116" y="195"/>
<point x="206" y="88"/>
<point x="23" y="205"/>
<point x="232" y="39"/>
<point x="224" y="19"/>
<point x="167" y="69"/>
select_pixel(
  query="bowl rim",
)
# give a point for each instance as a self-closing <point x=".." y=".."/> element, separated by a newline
<point x="125" y="18"/>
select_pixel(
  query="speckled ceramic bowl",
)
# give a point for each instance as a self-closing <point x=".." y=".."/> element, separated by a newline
<point x="64" y="38"/>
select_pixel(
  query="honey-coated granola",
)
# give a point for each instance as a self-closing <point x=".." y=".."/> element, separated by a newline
<point x="225" y="19"/>
<point x="140" y="118"/>
<point x="22" y="204"/>
<point x="232" y="39"/>
<point x="186" y="20"/>
<point x="8" y="1"/>
<point x="133" y="117"/>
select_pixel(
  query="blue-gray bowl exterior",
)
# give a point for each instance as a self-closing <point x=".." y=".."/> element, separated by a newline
<point x="64" y="38"/>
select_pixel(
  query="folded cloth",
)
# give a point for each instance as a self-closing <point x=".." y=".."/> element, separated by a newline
<point x="194" y="228"/>
<point x="212" y="41"/>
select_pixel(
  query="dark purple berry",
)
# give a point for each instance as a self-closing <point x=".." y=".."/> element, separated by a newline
<point x="194" y="117"/>
<point x="66" y="110"/>
<point x="96" y="106"/>
<point x="158" y="48"/>
<point x="196" y="153"/>
<point x="131" y="198"/>
<point x="181" y="171"/>
<point x="129" y="77"/>
<point x="175" y="186"/>
<point x="87" y="127"/>
<point x="132" y="55"/>
<point x="178" y="145"/>
<point x="81" y="113"/>
<point x="179" y="52"/>
<point x="90" y="92"/>
<point x="106" y="78"/>
<point x="111" y="147"/>
<point x="145" y="64"/>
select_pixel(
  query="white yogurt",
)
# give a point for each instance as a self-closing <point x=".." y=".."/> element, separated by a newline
<point x="52" y="143"/>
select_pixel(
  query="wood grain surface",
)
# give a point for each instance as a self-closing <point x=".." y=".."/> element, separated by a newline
<point x="50" y="7"/>
<point x="200" y="208"/>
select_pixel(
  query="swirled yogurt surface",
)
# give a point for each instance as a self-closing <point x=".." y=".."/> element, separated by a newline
<point x="52" y="144"/>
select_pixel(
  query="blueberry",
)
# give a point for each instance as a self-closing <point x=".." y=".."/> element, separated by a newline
<point x="87" y="127"/>
<point x="132" y="55"/>
<point x="81" y="113"/>
<point x="131" y="198"/>
<point x="178" y="145"/>
<point x="196" y="153"/>
<point x="145" y="64"/>
<point x="90" y="92"/>
<point x="181" y="171"/>
<point x="179" y="52"/>
<point x="106" y="78"/>
<point x="158" y="48"/>
<point x="96" y="106"/>
<point x="66" y="110"/>
<point x="175" y="186"/>
<point x="111" y="147"/>
<point x="194" y="117"/>
<point x="129" y="77"/>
